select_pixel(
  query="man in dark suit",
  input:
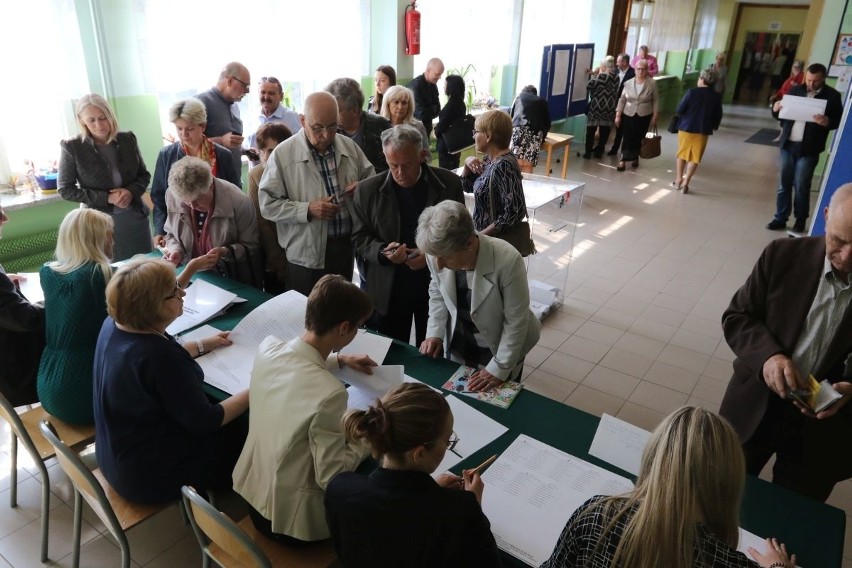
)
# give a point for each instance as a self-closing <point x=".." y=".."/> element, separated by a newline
<point x="801" y="144"/>
<point x="625" y="72"/>
<point x="793" y="318"/>
<point x="427" y="105"/>
<point x="384" y="221"/>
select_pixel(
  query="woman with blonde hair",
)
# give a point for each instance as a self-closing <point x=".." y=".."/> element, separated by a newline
<point x="399" y="515"/>
<point x="683" y="511"/>
<point x="74" y="308"/>
<point x="190" y="119"/>
<point x="102" y="168"/>
<point x="398" y="107"/>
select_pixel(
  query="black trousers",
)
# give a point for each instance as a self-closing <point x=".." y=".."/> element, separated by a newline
<point x="339" y="259"/>
<point x="634" y="128"/>
<point x="616" y="141"/>
<point x="590" y="138"/>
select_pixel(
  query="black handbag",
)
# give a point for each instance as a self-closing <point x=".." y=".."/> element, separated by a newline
<point x="673" y="124"/>
<point x="460" y="134"/>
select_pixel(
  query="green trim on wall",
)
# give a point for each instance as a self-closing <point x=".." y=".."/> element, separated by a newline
<point x="141" y="115"/>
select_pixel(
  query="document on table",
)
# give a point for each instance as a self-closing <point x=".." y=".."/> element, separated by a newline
<point x="360" y="398"/>
<point x="474" y="429"/>
<point x="750" y="539"/>
<point x="364" y="389"/>
<point x="801" y="108"/>
<point x="229" y="368"/>
<point x="202" y="301"/>
<point x="532" y="490"/>
<point x="619" y="443"/>
<point x="31" y="286"/>
<point x="366" y="343"/>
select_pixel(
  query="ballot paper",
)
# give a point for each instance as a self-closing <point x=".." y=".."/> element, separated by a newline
<point x="201" y="302"/>
<point x="474" y="429"/>
<point x="229" y="368"/>
<point x="750" y="539"/>
<point x="31" y="286"/>
<point x="619" y="443"/>
<point x="533" y="489"/>
<point x="360" y="398"/>
<point x="364" y="389"/>
<point x="366" y="343"/>
<point x="801" y="108"/>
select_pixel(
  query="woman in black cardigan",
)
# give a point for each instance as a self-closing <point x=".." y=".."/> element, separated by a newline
<point x="21" y="339"/>
<point x="452" y="111"/>
<point x="102" y="168"/>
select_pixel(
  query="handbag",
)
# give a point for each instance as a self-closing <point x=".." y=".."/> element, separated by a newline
<point x="650" y="145"/>
<point x="460" y="134"/>
<point x="673" y="124"/>
<point x="518" y="235"/>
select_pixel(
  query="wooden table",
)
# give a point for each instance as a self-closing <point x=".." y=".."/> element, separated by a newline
<point x="554" y="141"/>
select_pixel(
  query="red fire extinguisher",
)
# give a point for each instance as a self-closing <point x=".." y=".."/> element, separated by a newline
<point x="412" y="29"/>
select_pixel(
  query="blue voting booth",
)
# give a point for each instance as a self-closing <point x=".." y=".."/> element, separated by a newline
<point x="838" y="170"/>
<point x="563" y="78"/>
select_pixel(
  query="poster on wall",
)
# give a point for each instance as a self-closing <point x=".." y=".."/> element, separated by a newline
<point x="843" y="50"/>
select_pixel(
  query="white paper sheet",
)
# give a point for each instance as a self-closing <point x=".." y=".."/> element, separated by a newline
<point x="229" y="368"/>
<point x="474" y="429"/>
<point x="31" y="286"/>
<point x="750" y="539"/>
<point x="202" y="301"/>
<point x="801" y="108"/>
<point x="366" y="343"/>
<point x="619" y="443"/>
<point x="532" y="490"/>
<point x="383" y="379"/>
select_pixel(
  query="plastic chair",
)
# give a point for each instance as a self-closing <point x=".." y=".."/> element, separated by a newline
<point x="117" y="513"/>
<point x="218" y="536"/>
<point x="25" y="428"/>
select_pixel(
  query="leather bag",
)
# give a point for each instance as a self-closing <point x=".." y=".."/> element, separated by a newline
<point x="650" y="145"/>
<point x="673" y="124"/>
<point x="518" y="235"/>
<point x="460" y="134"/>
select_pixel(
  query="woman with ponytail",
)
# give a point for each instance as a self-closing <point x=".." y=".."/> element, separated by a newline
<point x="399" y="515"/>
<point x="295" y="444"/>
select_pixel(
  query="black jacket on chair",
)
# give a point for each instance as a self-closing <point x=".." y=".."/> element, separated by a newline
<point x="21" y="344"/>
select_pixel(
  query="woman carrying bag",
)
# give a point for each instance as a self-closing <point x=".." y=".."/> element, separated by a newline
<point x="635" y="113"/>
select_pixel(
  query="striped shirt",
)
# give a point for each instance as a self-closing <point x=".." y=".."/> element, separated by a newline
<point x="326" y="163"/>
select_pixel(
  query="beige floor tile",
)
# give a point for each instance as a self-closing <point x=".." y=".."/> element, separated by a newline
<point x="684" y="358"/>
<point x="718" y="369"/>
<point x="563" y="322"/>
<point x="724" y="352"/>
<point x="696" y="324"/>
<point x="23" y="547"/>
<point x="626" y="362"/>
<point x="584" y="349"/>
<point x="552" y="338"/>
<point x="594" y="401"/>
<point x="614" y="318"/>
<point x="599" y="332"/>
<point x="101" y="552"/>
<point x="710" y="389"/>
<point x="549" y="385"/>
<point x="705" y="404"/>
<point x="664" y="315"/>
<point x="636" y="343"/>
<point x="578" y="308"/>
<point x="184" y="552"/>
<point x="672" y="377"/>
<point x="694" y="341"/>
<point x="591" y="295"/>
<point x="566" y="367"/>
<point x="658" y="398"/>
<point x="640" y="416"/>
<point x="537" y="355"/>
<point x="611" y="382"/>
<point x="673" y="302"/>
<point x="653" y="329"/>
<point x="154" y="536"/>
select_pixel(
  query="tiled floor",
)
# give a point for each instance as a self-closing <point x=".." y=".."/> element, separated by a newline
<point x="638" y="336"/>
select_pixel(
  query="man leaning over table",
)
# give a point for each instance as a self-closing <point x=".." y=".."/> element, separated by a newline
<point x="307" y="189"/>
<point x="792" y="318"/>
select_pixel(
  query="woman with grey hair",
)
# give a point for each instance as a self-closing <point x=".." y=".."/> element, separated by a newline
<point x="212" y="218"/>
<point x="479" y="300"/>
<point x="398" y="107"/>
<point x="190" y="119"/>
<point x="700" y="113"/>
<point x="603" y="96"/>
<point x="103" y="169"/>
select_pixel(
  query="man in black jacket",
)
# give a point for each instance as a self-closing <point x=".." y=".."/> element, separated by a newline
<point x="625" y="73"/>
<point x="427" y="105"/>
<point x="365" y="129"/>
<point x="384" y="221"/>
<point x="801" y="144"/>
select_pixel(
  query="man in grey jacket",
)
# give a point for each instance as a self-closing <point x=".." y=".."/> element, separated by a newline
<point x="385" y="213"/>
<point x="307" y="190"/>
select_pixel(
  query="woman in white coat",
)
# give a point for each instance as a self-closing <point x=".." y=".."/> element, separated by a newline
<point x="479" y="300"/>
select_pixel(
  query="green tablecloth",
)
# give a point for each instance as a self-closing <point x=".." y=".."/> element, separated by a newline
<point x="813" y="531"/>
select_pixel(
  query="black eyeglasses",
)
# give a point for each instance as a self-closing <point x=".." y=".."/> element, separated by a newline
<point x="319" y="128"/>
<point x="475" y="132"/>
<point x="174" y="293"/>
<point x="241" y="82"/>
<point x="451" y="443"/>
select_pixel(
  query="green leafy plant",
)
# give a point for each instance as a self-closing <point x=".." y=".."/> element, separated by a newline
<point x="470" y="84"/>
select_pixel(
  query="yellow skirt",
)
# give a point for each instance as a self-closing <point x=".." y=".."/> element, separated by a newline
<point x="690" y="147"/>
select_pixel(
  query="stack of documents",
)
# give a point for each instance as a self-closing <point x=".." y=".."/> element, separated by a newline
<point x="203" y="301"/>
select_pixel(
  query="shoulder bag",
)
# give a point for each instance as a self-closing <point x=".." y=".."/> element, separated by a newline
<point x="460" y="134"/>
<point x="673" y="124"/>
<point x="518" y="235"/>
<point x="650" y="145"/>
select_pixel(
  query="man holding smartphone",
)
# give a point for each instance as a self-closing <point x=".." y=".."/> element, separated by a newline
<point x="793" y="318"/>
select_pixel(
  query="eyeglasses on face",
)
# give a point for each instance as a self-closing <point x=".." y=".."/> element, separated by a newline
<point x="319" y="128"/>
<point x="451" y="443"/>
<point x="475" y="132"/>
<point x="241" y="82"/>
<point x="174" y="293"/>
